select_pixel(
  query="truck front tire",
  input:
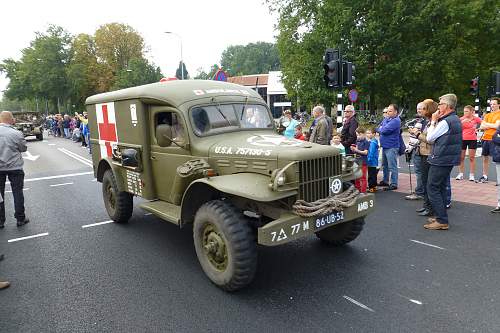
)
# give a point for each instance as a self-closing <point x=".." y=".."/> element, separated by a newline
<point x="119" y="204"/>
<point x="225" y="245"/>
<point x="342" y="233"/>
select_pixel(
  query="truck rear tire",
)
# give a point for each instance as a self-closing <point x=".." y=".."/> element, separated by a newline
<point x="225" y="245"/>
<point x="342" y="233"/>
<point x="119" y="204"/>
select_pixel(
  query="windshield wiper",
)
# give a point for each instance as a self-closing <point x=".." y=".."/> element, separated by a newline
<point x="220" y="111"/>
<point x="244" y="107"/>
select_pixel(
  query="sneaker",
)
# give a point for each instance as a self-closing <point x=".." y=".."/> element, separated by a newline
<point x="495" y="210"/>
<point x="372" y="189"/>
<point x="483" y="179"/>
<point x="414" y="196"/>
<point x="392" y="187"/>
<point x="460" y="176"/>
<point x="471" y="178"/>
<point x="448" y="206"/>
<point x="4" y="284"/>
<point x="382" y="183"/>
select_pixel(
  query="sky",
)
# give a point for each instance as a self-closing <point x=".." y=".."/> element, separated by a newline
<point x="205" y="28"/>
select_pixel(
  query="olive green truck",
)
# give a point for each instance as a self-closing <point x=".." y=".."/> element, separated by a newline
<point x="205" y="154"/>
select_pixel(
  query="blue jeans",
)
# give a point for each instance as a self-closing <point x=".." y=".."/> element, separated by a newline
<point x="437" y="190"/>
<point x="66" y="133"/>
<point x="390" y="165"/>
<point x="417" y="162"/>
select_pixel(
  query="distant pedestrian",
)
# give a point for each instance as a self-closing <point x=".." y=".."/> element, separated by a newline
<point x="445" y="133"/>
<point x="361" y="149"/>
<point x="419" y="190"/>
<point x="390" y="134"/>
<point x="348" y="134"/>
<point x="489" y="126"/>
<point x="11" y="166"/>
<point x="337" y="144"/>
<point x="289" y="131"/>
<point x="424" y="150"/>
<point x="298" y="133"/>
<point x="372" y="160"/>
<point x="470" y="123"/>
<point x="496" y="159"/>
<point x="320" y="131"/>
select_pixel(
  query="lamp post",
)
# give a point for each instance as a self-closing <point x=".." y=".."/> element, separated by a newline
<point x="182" y="61"/>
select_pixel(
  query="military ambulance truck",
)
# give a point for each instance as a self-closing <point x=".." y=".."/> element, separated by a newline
<point x="205" y="155"/>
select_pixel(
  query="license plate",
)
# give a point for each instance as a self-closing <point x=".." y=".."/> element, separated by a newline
<point x="329" y="219"/>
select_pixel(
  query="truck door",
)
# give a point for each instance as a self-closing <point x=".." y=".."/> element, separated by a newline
<point x="165" y="160"/>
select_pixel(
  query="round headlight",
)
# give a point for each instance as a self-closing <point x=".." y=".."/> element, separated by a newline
<point x="281" y="180"/>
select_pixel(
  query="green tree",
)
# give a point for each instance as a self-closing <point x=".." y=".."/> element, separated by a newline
<point x="253" y="58"/>
<point x="202" y="75"/>
<point x="404" y="51"/>
<point x="41" y="72"/>
<point x="139" y="72"/>
<point x="116" y="45"/>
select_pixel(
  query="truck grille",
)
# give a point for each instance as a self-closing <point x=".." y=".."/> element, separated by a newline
<point x="314" y="177"/>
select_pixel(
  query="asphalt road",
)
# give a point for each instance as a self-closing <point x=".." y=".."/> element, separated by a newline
<point x="144" y="276"/>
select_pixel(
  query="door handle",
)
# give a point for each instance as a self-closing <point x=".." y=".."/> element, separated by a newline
<point x="153" y="157"/>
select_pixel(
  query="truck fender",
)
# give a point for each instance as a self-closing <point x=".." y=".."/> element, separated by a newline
<point x="106" y="164"/>
<point x="246" y="185"/>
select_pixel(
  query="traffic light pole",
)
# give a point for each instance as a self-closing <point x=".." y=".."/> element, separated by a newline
<point x="340" y="109"/>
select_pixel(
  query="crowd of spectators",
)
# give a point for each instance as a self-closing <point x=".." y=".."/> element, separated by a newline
<point x="74" y="128"/>
<point x="438" y="142"/>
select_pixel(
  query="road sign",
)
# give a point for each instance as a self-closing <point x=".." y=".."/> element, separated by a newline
<point x="353" y="95"/>
<point x="220" y="75"/>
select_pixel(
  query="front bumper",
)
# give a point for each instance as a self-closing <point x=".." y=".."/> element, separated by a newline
<point x="291" y="226"/>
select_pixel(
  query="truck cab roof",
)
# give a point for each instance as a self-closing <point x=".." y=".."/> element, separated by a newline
<point x="175" y="93"/>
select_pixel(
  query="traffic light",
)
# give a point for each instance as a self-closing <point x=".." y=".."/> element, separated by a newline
<point x="348" y="73"/>
<point x="474" y="86"/>
<point x="332" y="67"/>
<point x="332" y="74"/>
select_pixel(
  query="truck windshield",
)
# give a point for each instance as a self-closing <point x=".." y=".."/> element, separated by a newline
<point x="221" y="118"/>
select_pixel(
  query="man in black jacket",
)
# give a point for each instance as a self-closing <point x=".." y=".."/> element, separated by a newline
<point x="348" y="135"/>
<point x="445" y="133"/>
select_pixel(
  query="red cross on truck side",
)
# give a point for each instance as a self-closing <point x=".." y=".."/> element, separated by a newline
<point x="107" y="129"/>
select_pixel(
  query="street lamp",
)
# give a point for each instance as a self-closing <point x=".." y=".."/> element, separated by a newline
<point x="182" y="61"/>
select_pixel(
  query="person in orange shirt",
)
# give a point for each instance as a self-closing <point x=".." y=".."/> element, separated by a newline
<point x="489" y="126"/>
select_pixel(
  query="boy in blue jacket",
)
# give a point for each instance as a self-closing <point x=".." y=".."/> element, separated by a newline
<point x="372" y="160"/>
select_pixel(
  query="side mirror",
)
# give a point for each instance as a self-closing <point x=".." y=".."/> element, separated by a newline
<point x="164" y="135"/>
<point x="129" y="158"/>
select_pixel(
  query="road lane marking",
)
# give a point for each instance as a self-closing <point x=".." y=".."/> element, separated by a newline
<point x="95" y="224"/>
<point x="62" y="184"/>
<point x="358" y="303"/>
<point x="411" y="300"/>
<point x="147" y="214"/>
<point x="27" y="237"/>
<point x="426" y="244"/>
<point x="52" y="144"/>
<point x="10" y="191"/>
<point x="75" y="156"/>
<point x="58" y="176"/>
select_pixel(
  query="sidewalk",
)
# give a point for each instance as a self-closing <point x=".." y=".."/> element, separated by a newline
<point x="461" y="190"/>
